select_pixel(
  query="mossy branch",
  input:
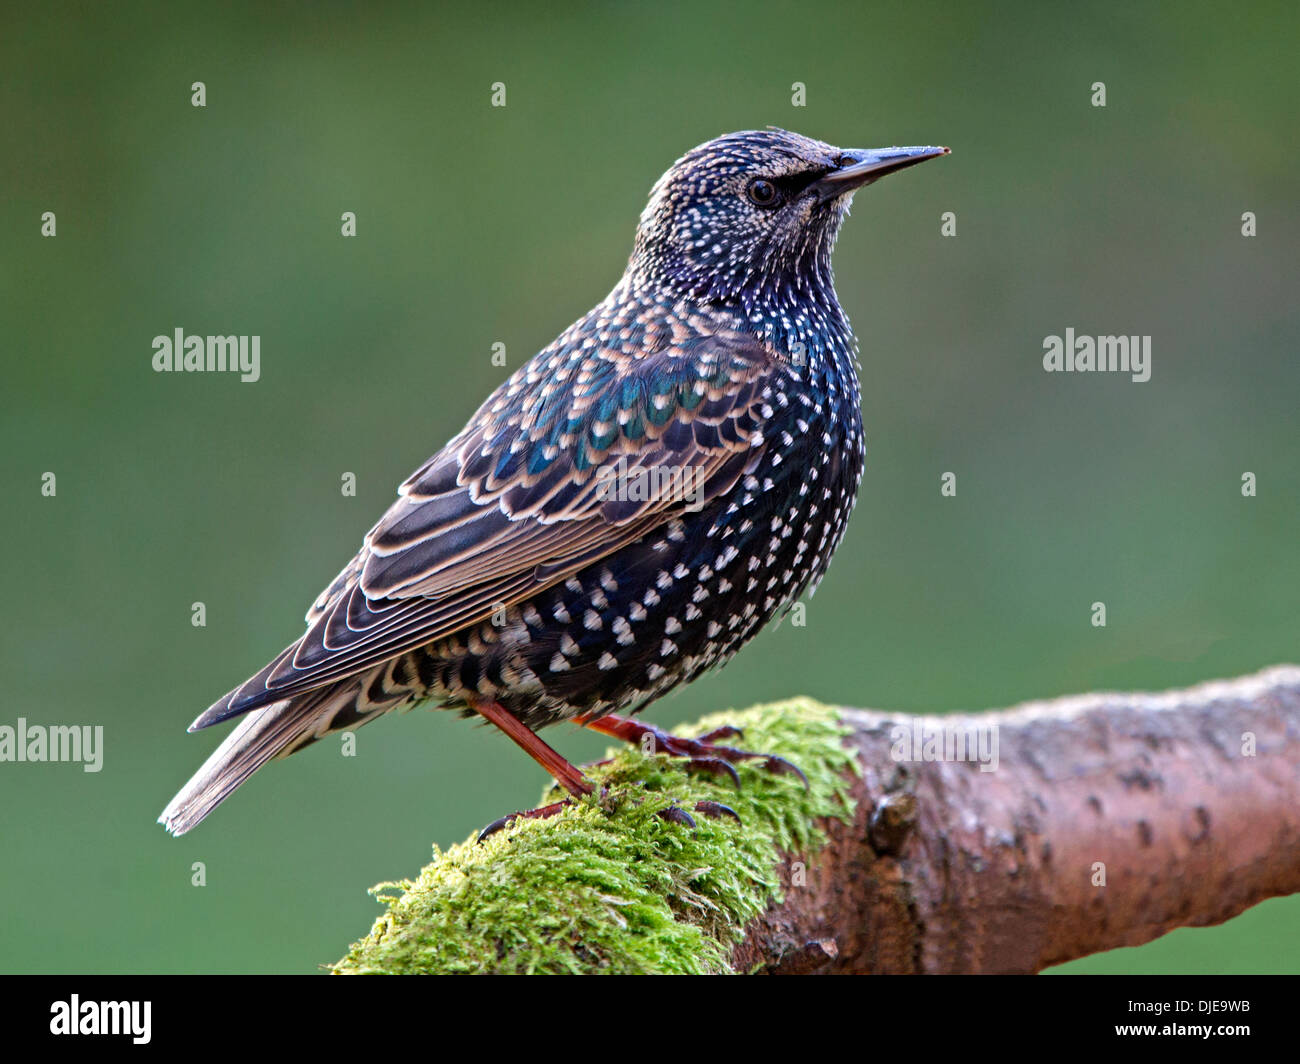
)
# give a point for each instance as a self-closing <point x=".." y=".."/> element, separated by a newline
<point x="1109" y="820"/>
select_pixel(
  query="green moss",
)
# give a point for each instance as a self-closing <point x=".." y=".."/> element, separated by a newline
<point x="607" y="885"/>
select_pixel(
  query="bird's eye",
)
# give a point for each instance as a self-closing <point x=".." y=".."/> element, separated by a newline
<point x="762" y="193"/>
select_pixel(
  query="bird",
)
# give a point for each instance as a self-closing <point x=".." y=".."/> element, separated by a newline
<point x="626" y="510"/>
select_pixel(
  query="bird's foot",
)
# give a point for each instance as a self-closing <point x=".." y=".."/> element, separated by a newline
<point x="674" y="814"/>
<point x="701" y="755"/>
<point x="540" y="813"/>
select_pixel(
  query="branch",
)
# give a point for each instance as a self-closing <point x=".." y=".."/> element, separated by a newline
<point x="1108" y="820"/>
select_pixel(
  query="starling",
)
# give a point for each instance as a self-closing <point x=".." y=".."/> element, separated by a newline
<point x="624" y="512"/>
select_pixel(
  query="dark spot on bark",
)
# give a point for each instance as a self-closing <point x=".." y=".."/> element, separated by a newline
<point x="1141" y="778"/>
<point x="812" y="957"/>
<point x="828" y="947"/>
<point x="891" y="823"/>
<point x="1199" y="829"/>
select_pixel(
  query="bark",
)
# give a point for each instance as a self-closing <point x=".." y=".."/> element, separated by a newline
<point x="1110" y="820"/>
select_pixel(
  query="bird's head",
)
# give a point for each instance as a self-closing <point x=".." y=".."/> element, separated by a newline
<point x="753" y="214"/>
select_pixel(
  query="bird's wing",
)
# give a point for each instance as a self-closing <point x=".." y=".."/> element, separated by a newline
<point x="521" y="499"/>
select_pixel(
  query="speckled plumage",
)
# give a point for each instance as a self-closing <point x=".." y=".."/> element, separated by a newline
<point x="508" y="572"/>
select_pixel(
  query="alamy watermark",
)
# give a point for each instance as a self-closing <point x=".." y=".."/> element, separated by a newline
<point x="1098" y="354"/>
<point x="930" y="740"/>
<point x="655" y="483"/>
<point x="55" y="742"/>
<point x="179" y="353"/>
<point x="77" y="1017"/>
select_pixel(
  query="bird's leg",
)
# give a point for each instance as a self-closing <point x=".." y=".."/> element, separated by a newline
<point x="565" y="774"/>
<point x="702" y="754"/>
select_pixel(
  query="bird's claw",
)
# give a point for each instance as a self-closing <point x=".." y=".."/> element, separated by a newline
<point x="675" y="814"/>
<point x="788" y="768"/>
<point x="715" y="766"/>
<point x="540" y="813"/>
<point x="715" y="810"/>
<point x="727" y="731"/>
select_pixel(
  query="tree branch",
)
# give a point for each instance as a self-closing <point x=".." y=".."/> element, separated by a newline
<point x="1108" y="820"/>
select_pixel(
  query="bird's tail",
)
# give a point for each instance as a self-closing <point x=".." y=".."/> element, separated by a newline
<point x="275" y="731"/>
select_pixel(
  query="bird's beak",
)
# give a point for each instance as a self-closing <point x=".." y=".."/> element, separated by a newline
<point x="863" y="166"/>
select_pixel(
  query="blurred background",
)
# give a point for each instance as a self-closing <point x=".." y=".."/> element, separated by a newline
<point x="479" y="225"/>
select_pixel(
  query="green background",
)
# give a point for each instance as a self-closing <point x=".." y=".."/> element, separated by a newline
<point x="479" y="225"/>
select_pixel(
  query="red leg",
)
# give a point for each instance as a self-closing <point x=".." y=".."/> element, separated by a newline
<point x="565" y="774"/>
<point x="570" y="778"/>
